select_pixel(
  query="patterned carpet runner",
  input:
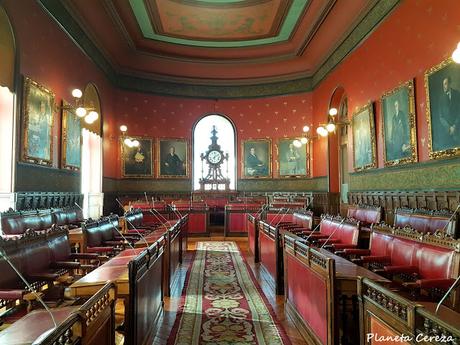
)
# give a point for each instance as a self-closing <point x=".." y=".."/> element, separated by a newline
<point x="223" y="304"/>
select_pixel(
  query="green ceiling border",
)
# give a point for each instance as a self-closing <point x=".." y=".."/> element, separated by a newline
<point x="57" y="10"/>
<point x="143" y="20"/>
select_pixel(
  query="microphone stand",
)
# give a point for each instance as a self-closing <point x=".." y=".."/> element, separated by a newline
<point x="450" y="219"/>
<point x="313" y="231"/>
<point x="127" y="220"/>
<point x="333" y="232"/>
<point x="31" y="289"/>
<point x="453" y="286"/>
<point x="282" y="217"/>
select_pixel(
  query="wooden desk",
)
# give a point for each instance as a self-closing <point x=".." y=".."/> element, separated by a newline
<point x="115" y="270"/>
<point x="26" y="330"/>
<point x="77" y="239"/>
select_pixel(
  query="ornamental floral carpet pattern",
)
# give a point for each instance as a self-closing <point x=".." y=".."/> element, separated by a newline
<point x="223" y="305"/>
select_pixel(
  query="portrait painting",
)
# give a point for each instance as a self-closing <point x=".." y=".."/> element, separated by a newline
<point x="442" y="85"/>
<point x="71" y="139"/>
<point x="173" y="158"/>
<point x="364" y="147"/>
<point x="137" y="161"/>
<point x="292" y="160"/>
<point x="37" y="125"/>
<point x="256" y="155"/>
<point x="399" y="125"/>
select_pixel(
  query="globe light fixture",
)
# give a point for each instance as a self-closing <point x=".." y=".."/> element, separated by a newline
<point x="456" y="54"/>
<point x="304" y="140"/>
<point x="123" y="128"/>
<point x="322" y="131"/>
<point x="306" y="128"/>
<point x="76" y="93"/>
<point x="297" y="143"/>
<point x="330" y="127"/>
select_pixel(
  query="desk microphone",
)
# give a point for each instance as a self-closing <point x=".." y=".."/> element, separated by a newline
<point x="282" y="217"/>
<point x="450" y="219"/>
<point x="127" y="220"/>
<point x="333" y="232"/>
<point x="31" y="289"/>
<point x="453" y="286"/>
<point x="313" y="231"/>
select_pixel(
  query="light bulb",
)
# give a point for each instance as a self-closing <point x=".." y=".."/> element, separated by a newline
<point x="81" y="112"/>
<point x="136" y="143"/>
<point x="333" y="111"/>
<point x="306" y="128"/>
<point x="322" y="131"/>
<point x="77" y="93"/>
<point x="297" y="143"/>
<point x="128" y="142"/>
<point x="456" y="55"/>
<point x="304" y="140"/>
<point x="89" y="120"/>
<point x="330" y="127"/>
<point x="94" y="115"/>
<point x="123" y="128"/>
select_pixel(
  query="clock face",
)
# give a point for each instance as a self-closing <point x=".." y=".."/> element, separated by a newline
<point x="214" y="157"/>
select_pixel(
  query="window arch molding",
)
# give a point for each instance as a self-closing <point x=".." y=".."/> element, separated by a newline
<point x="201" y="140"/>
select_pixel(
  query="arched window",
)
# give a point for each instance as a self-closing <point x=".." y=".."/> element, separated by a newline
<point x="7" y="99"/>
<point x="91" y="162"/>
<point x="201" y="141"/>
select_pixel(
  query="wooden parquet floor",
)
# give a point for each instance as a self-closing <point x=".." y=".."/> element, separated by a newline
<point x="172" y="303"/>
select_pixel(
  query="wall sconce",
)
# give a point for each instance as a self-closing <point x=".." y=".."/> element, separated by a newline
<point x="456" y="54"/>
<point x="305" y="139"/>
<point x="324" y="129"/>
<point x="127" y="140"/>
<point x="89" y="114"/>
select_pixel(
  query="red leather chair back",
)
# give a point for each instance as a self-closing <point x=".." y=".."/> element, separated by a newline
<point x="305" y="220"/>
<point x="435" y="262"/>
<point x="423" y="221"/>
<point x="60" y="217"/>
<point x="327" y="226"/>
<point x="8" y="277"/>
<point x="274" y="218"/>
<point x="12" y="225"/>
<point x="59" y="247"/>
<point x="366" y="215"/>
<point x="93" y="235"/>
<point x="32" y="222"/>
<point x="403" y="252"/>
<point x="380" y="244"/>
<point x="46" y="221"/>
<point x="37" y="258"/>
<point x="347" y="233"/>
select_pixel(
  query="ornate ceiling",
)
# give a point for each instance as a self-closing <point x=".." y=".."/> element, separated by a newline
<point x="219" y="44"/>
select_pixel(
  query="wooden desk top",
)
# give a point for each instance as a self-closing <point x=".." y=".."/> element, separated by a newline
<point x="115" y="270"/>
<point x="27" y="329"/>
<point x="75" y="231"/>
<point x="445" y="314"/>
<point x="345" y="269"/>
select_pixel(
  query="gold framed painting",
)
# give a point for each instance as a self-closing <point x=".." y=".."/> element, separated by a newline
<point x="442" y="87"/>
<point x="256" y="158"/>
<point x="364" y="145"/>
<point x="399" y="125"/>
<point x="173" y="158"/>
<point x="37" y="123"/>
<point x="71" y="139"/>
<point x="292" y="159"/>
<point x="137" y="161"/>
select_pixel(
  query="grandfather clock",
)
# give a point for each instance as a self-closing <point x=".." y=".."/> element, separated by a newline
<point x="215" y="157"/>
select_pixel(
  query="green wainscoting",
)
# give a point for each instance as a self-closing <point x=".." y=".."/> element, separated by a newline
<point x="432" y="175"/>
<point x="32" y="177"/>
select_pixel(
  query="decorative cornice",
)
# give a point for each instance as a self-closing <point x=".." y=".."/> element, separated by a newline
<point x="57" y="10"/>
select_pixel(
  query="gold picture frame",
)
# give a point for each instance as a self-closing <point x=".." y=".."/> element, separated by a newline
<point x="173" y="158"/>
<point x="363" y="133"/>
<point x="256" y="158"/>
<point x="137" y="162"/>
<point x="71" y="139"/>
<point x="399" y="125"/>
<point x="37" y="123"/>
<point x="292" y="161"/>
<point x="443" y="122"/>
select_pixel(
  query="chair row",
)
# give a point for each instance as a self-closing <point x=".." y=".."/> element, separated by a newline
<point x="425" y="264"/>
<point x="42" y="258"/>
<point x="422" y="220"/>
<point x="17" y="222"/>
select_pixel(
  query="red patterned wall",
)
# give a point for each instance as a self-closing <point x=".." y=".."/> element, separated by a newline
<point x="156" y="116"/>
<point x="48" y="56"/>
<point x="417" y="35"/>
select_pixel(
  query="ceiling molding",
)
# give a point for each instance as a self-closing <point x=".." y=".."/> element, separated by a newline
<point x="65" y="20"/>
